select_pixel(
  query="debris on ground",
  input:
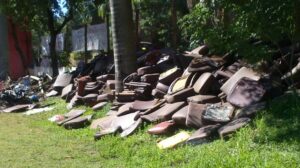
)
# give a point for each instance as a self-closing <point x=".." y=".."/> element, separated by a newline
<point x="216" y="95"/>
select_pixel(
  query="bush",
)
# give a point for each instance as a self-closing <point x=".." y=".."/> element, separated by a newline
<point x="227" y="26"/>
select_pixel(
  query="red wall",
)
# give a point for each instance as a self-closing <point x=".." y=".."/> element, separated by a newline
<point x="16" y="68"/>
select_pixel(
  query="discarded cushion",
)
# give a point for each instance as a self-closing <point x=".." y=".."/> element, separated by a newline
<point x="233" y="126"/>
<point x="203" y="99"/>
<point x="103" y="123"/>
<point x="179" y="117"/>
<point x="162" y="128"/>
<point x="131" y="128"/>
<point x="99" y="106"/>
<point x="104" y="132"/>
<point x="180" y="96"/>
<point x="250" y="111"/>
<point x="150" y="78"/>
<point x="66" y="91"/>
<point x="246" y="92"/>
<point x="71" y="115"/>
<point x="62" y="80"/>
<point x="124" y="109"/>
<point x="164" y="113"/>
<point x="228" y="86"/>
<point x="124" y="121"/>
<point x="17" y="108"/>
<point x="202" y="64"/>
<point x="218" y="112"/>
<point x="204" y="84"/>
<point x="173" y="140"/>
<point x="78" y="122"/>
<point x="194" y="116"/>
<point x="147" y="70"/>
<point x="138" y="105"/>
<point x="201" y="135"/>
<point x="169" y="76"/>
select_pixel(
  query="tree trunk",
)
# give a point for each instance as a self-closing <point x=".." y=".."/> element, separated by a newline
<point x="85" y="44"/>
<point x="123" y="41"/>
<point x="52" y="46"/>
<point x="137" y="26"/>
<point x="174" y="24"/>
<point x="107" y="31"/>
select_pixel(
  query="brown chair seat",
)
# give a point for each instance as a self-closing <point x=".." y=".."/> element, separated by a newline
<point x="66" y="91"/>
<point x="233" y="126"/>
<point x="17" y="108"/>
<point x="105" y="97"/>
<point x="194" y="116"/>
<point x="169" y="76"/>
<point x="124" y="109"/>
<point x="62" y="80"/>
<point x="164" y="113"/>
<point x="203" y="99"/>
<point x="203" y="64"/>
<point x="99" y="106"/>
<point x="70" y="116"/>
<point x="131" y="78"/>
<point x="138" y="105"/>
<point x="250" y="111"/>
<point x="103" y="123"/>
<point x="180" y="96"/>
<point x="162" y="128"/>
<point x="124" y="121"/>
<point x="161" y="87"/>
<point x="228" y="86"/>
<point x="130" y="130"/>
<point x="78" y="122"/>
<point x="147" y="70"/>
<point x="246" y="92"/>
<point x="158" y="94"/>
<point x="150" y="78"/>
<point x="201" y="135"/>
<point x="204" y="84"/>
<point x="179" y="117"/>
<point x="180" y="84"/>
<point x="108" y="131"/>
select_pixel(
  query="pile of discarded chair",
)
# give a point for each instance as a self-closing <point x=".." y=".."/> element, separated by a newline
<point x="216" y="95"/>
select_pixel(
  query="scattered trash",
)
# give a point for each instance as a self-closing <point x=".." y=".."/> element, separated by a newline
<point x="194" y="90"/>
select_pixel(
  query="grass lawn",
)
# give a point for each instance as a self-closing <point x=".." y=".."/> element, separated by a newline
<point x="271" y="140"/>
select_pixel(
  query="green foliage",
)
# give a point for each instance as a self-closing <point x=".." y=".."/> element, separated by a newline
<point x="231" y="26"/>
<point x="156" y="18"/>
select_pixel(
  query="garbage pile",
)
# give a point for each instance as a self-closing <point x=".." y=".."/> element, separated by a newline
<point x="217" y="95"/>
<point x="24" y="94"/>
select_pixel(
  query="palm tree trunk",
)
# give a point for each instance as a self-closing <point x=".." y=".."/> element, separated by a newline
<point x="123" y="40"/>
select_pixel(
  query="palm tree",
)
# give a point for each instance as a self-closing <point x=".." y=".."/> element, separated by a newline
<point x="123" y="40"/>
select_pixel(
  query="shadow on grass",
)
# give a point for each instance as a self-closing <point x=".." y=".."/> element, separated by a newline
<point x="281" y="121"/>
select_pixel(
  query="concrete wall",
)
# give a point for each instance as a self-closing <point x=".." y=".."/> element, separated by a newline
<point x="3" y="48"/>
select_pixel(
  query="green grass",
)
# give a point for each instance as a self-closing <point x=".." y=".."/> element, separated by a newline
<point x="271" y="140"/>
